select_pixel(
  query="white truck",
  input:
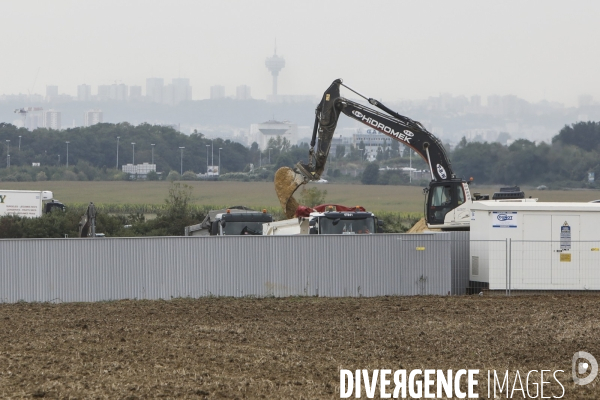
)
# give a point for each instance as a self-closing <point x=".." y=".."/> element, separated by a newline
<point x="28" y="203"/>
<point x="326" y="219"/>
<point x="237" y="220"/>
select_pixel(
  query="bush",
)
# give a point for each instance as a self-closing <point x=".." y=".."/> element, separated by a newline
<point x="189" y="176"/>
<point x="173" y="176"/>
<point x="24" y="177"/>
<point x="69" y="176"/>
<point x="41" y="176"/>
<point x="152" y="176"/>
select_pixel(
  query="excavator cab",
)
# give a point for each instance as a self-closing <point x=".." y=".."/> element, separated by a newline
<point x="442" y="198"/>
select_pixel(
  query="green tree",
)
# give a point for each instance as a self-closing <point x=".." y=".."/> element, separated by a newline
<point x="280" y="144"/>
<point x="312" y="197"/>
<point x="284" y="160"/>
<point x="175" y="217"/>
<point x="173" y="176"/>
<point x="152" y="176"/>
<point x="370" y="175"/>
<point x="585" y="135"/>
<point x="189" y="176"/>
<point x="395" y="146"/>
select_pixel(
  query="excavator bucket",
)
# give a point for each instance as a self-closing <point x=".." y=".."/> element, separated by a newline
<point x="286" y="183"/>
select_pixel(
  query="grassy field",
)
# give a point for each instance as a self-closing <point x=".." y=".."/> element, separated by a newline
<point x="407" y="199"/>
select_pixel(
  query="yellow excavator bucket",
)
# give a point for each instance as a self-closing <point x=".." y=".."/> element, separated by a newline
<point x="286" y="183"/>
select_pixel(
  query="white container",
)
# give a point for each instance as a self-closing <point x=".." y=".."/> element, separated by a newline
<point x="24" y="203"/>
<point x="293" y="226"/>
<point x="553" y="246"/>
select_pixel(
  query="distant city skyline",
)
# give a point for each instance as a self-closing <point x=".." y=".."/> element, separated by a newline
<point x="535" y="51"/>
<point x="180" y="89"/>
<point x="155" y="90"/>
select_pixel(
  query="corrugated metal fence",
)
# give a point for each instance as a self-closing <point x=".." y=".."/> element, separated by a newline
<point x="70" y="270"/>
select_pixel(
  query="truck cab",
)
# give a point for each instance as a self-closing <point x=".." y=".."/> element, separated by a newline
<point x="54" y="205"/>
<point x="344" y="223"/>
<point x="227" y="224"/>
<point x="236" y="220"/>
<point x="327" y="219"/>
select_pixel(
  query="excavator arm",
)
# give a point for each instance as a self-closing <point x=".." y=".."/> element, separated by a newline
<point x="398" y="127"/>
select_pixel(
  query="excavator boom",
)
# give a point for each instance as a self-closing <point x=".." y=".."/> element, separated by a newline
<point x="398" y="127"/>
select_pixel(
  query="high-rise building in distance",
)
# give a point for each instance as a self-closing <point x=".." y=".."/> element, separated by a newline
<point x="93" y="117"/>
<point x="217" y="92"/>
<point x="154" y="89"/>
<point x="242" y="92"/>
<point x="118" y="92"/>
<point x="52" y="119"/>
<point x="84" y="92"/>
<point x="135" y="92"/>
<point x="51" y="92"/>
<point x="33" y="117"/>
<point x="103" y="92"/>
<point x="182" y="91"/>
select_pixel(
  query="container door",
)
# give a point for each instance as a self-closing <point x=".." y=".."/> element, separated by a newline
<point x="565" y="249"/>
<point x="537" y="253"/>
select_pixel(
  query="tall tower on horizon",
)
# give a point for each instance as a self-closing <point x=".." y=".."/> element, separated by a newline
<point x="274" y="65"/>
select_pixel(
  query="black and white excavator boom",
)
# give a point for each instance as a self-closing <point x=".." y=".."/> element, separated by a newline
<point x="447" y="195"/>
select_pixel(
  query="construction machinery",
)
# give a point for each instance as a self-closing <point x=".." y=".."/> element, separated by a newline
<point x="236" y="220"/>
<point x="87" y="223"/>
<point x="447" y="197"/>
<point x="326" y="219"/>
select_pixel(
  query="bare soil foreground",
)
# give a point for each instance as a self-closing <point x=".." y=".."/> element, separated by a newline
<point x="287" y="348"/>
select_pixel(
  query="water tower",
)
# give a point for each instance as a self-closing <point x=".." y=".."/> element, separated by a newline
<point x="275" y="64"/>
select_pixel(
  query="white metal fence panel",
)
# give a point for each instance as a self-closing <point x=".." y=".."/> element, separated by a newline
<point x="460" y="247"/>
<point x="164" y="267"/>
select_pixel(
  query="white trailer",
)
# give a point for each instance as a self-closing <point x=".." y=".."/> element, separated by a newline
<point x="294" y="226"/>
<point x="27" y="203"/>
<point x="535" y="245"/>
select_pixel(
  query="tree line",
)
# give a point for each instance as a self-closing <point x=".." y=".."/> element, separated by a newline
<point x="93" y="151"/>
<point x="566" y="162"/>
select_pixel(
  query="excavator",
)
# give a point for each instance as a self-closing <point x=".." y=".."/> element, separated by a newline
<point x="447" y="197"/>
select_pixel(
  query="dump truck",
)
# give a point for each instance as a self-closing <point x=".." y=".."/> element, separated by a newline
<point x="28" y="203"/>
<point x="237" y="220"/>
<point x="326" y="219"/>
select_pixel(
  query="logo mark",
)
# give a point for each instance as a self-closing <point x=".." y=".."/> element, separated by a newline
<point x="580" y="368"/>
<point x="358" y="114"/>
<point x="504" y="217"/>
<point x="2" y="198"/>
<point x="440" y="170"/>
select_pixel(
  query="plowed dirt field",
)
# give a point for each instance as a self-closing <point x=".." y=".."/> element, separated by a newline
<point x="285" y="348"/>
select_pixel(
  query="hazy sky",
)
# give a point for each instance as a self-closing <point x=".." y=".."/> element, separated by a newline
<point x="386" y="49"/>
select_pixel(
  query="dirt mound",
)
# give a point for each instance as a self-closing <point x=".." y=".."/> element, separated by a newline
<point x="421" y="226"/>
